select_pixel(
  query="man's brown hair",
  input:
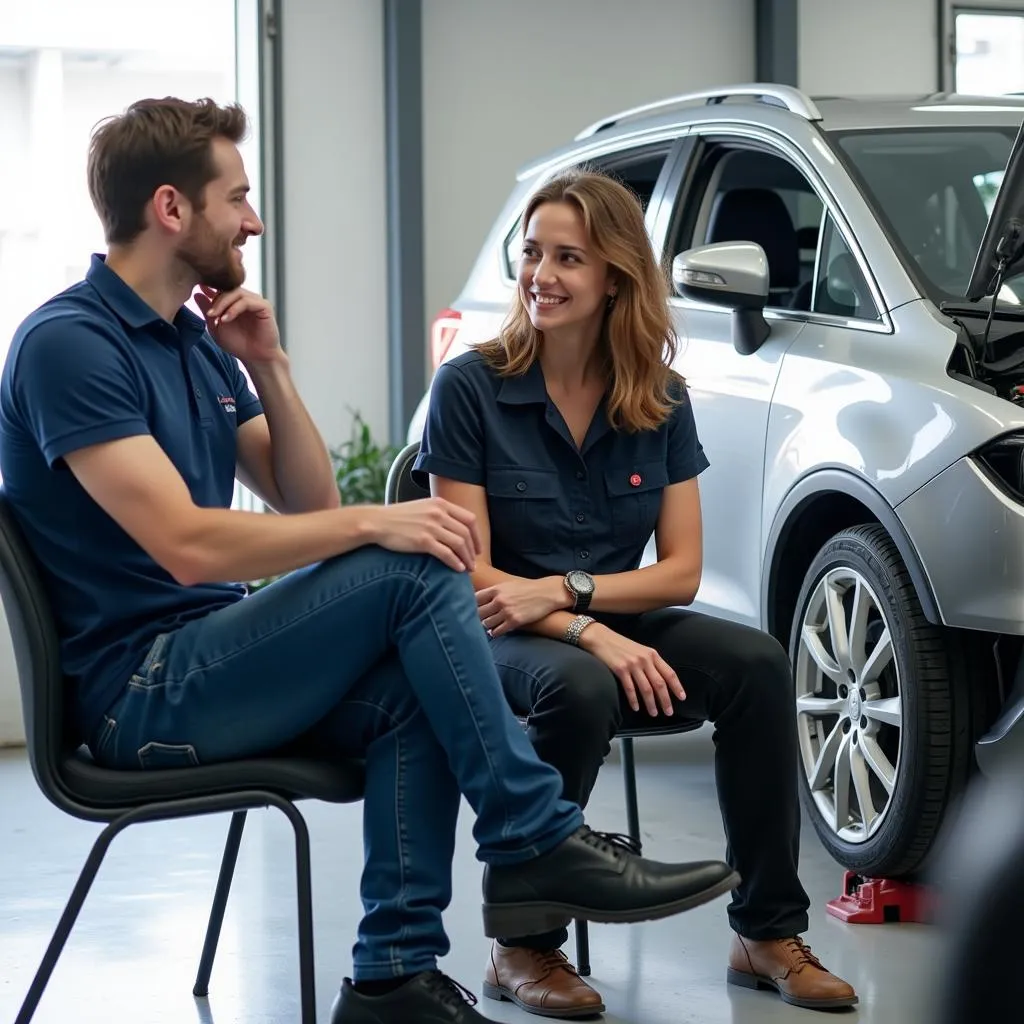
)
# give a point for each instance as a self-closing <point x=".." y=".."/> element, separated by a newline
<point x="156" y="142"/>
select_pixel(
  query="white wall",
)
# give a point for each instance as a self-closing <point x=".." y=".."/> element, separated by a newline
<point x="874" y="46"/>
<point x="504" y="82"/>
<point x="335" y="243"/>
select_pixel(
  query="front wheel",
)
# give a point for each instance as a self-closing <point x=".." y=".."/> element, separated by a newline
<point x="882" y="707"/>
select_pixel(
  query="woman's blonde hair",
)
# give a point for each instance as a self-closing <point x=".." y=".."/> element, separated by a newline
<point x="637" y="340"/>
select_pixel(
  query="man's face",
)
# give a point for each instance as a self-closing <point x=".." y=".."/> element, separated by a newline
<point x="212" y="246"/>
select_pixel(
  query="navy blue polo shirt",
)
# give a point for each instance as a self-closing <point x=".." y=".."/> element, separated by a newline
<point x="95" y="364"/>
<point x="552" y="507"/>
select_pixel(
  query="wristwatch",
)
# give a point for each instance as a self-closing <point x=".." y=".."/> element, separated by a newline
<point x="581" y="585"/>
<point x="576" y="627"/>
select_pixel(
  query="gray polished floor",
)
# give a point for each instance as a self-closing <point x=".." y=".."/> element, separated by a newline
<point x="132" y="957"/>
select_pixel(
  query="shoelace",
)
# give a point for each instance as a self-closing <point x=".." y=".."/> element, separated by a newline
<point x="449" y="991"/>
<point x="554" y="959"/>
<point x="803" y="953"/>
<point x="612" y="842"/>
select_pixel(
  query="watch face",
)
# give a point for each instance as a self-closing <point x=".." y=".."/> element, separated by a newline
<point x="581" y="582"/>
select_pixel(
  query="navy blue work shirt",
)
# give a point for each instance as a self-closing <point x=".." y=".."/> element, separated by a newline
<point x="552" y="507"/>
<point x="95" y="364"/>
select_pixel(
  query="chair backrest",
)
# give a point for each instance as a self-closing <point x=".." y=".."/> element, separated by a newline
<point x="36" y="653"/>
<point x="400" y="485"/>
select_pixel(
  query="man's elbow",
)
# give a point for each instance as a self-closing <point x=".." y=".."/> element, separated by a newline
<point x="188" y="568"/>
<point x="187" y="556"/>
<point x="332" y="499"/>
<point x="323" y="500"/>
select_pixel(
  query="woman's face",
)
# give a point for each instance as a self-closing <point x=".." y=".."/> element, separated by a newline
<point x="562" y="283"/>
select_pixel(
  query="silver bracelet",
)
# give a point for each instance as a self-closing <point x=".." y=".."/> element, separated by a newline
<point x="575" y="629"/>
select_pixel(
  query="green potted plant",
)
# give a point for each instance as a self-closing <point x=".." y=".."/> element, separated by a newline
<point x="361" y="465"/>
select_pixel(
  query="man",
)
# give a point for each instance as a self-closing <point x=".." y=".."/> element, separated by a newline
<point x="125" y="419"/>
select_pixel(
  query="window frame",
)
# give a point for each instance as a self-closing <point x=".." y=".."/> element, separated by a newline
<point x="704" y="137"/>
<point x="827" y="221"/>
<point x="630" y="152"/>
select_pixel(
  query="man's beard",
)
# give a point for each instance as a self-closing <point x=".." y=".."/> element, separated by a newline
<point x="212" y="260"/>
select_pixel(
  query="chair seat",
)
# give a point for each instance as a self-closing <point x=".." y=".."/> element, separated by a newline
<point x="116" y="791"/>
<point x="661" y="726"/>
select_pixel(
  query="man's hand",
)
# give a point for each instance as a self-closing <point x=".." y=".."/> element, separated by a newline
<point x="642" y="671"/>
<point x="242" y="323"/>
<point x="513" y="604"/>
<point x="432" y="526"/>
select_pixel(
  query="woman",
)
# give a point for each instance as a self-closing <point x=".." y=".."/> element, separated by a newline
<point x="572" y="440"/>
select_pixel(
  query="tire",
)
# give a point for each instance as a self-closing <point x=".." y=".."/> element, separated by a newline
<point x="899" y="740"/>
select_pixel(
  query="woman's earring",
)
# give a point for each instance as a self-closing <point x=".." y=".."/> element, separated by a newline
<point x="611" y="300"/>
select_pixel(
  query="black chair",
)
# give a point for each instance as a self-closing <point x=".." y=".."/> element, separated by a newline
<point x="401" y="486"/>
<point x="74" y="783"/>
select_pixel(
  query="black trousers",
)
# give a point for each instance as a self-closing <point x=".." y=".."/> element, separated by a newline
<point x="734" y="676"/>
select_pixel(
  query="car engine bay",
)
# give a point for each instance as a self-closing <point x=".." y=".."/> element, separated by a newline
<point x="989" y="355"/>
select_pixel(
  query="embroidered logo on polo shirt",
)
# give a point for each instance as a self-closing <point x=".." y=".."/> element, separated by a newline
<point x="227" y="402"/>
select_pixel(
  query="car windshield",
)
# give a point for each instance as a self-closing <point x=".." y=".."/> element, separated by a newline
<point x="933" y="190"/>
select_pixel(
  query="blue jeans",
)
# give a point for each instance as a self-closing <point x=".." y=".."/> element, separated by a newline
<point x="372" y="654"/>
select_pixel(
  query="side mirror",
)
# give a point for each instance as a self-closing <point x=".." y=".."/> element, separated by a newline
<point x="733" y="274"/>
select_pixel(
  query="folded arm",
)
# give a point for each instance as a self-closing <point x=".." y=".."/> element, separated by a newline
<point x="508" y="602"/>
<point x="542" y="605"/>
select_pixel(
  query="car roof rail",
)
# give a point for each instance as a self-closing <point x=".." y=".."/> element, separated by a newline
<point x="785" y="96"/>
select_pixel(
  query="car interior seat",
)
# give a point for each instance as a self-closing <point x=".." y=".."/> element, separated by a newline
<point x="760" y="216"/>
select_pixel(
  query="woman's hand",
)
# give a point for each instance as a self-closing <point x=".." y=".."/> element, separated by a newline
<point x="642" y="672"/>
<point x="513" y="604"/>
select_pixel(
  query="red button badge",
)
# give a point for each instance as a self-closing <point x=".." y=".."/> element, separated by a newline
<point x="636" y="480"/>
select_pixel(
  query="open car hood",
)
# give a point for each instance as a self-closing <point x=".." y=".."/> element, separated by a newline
<point x="1003" y="242"/>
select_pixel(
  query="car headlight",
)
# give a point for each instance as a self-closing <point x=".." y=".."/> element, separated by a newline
<point x="1004" y="459"/>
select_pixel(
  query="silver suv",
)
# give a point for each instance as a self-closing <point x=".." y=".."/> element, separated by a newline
<point x="860" y="394"/>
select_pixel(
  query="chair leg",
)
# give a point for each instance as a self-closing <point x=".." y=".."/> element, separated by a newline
<point x="582" y="949"/>
<point x="304" y="893"/>
<point x="220" y="901"/>
<point x="67" y="921"/>
<point x="629" y="779"/>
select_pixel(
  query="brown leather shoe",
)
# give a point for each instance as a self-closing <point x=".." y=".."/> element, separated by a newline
<point x="544" y="983"/>
<point x="789" y="967"/>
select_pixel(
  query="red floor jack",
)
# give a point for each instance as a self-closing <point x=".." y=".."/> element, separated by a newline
<point x="880" y="901"/>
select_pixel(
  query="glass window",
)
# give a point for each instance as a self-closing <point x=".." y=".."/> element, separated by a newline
<point x="988" y="188"/>
<point x="988" y="48"/>
<point x="64" y="66"/>
<point x="933" y="189"/>
<point x="751" y="195"/>
<point x="637" y="170"/>
<point x="841" y="288"/>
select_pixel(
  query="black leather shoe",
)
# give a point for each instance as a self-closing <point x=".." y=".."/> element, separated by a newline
<point x="595" y="877"/>
<point x="427" y="998"/>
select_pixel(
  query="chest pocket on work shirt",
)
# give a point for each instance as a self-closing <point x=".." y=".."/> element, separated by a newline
<point x="522" y="505"/>
<point x="634" y="497"/>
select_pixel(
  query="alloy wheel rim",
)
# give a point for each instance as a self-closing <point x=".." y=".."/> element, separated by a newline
<point x="849" y="705"/>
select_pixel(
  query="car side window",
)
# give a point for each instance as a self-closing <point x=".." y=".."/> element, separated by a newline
<point x="637" y="169"/>
<point x="751" y="195"/>
<point x="841" y="288"/>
